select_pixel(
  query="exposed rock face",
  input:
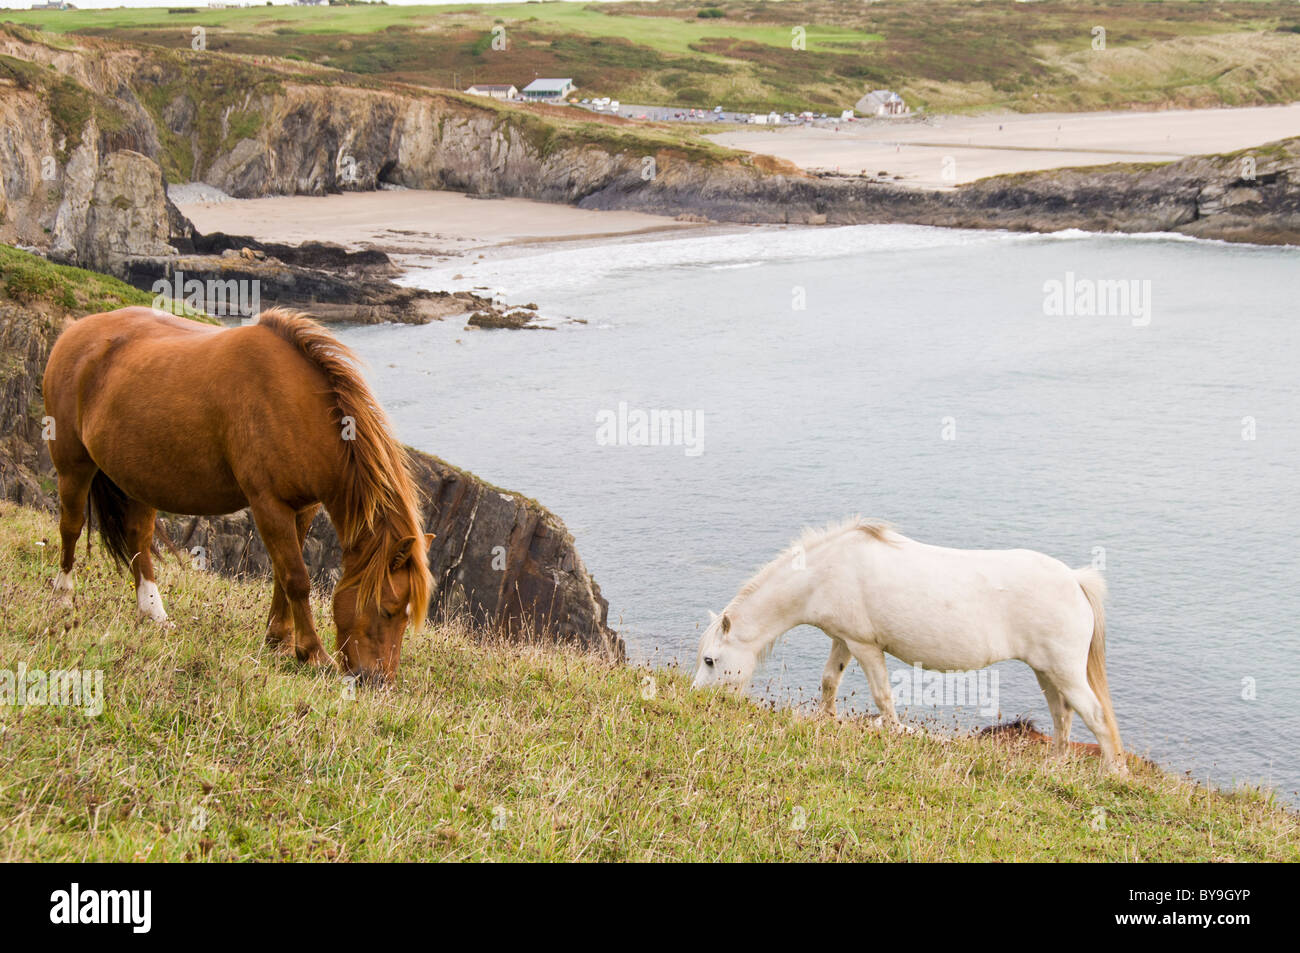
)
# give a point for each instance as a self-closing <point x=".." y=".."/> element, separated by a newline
<point x="25" y="340"/>
<point x="505" y="560"/>
<point x="510" y="562"/>
<point x="315" y="139"/>
<point x="112" y="210"/>
<point x="237" y="277"/>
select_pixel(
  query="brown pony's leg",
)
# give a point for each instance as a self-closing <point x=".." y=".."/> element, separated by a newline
<point x="279" y="627"/>
<point x="277" y="523"/>
<point x="74" y="489"/>
<point x="139" y="522"/>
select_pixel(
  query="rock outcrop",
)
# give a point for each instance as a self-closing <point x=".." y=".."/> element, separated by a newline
<point x="502" y="559"/>
<point x="236" y="276"/>
<point x="26" y="336"/>
<point x="114" y="209"/>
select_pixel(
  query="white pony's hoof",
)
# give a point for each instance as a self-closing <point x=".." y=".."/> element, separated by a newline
<point x="881" y="723"/>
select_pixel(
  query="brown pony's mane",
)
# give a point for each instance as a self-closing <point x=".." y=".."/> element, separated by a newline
<point x="379" y="507"/>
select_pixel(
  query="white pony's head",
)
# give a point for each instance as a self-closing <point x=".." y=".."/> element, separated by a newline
<point x="723" y="657"/>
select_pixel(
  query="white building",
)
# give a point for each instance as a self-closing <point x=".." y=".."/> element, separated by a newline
<point x="884" y="103"/>
<point x="548" y="90"/>
<point x="494" y="90"/>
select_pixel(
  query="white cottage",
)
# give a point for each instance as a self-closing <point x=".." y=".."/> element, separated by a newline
<point x="884" y="103"/>
<point x="494" y="90"/>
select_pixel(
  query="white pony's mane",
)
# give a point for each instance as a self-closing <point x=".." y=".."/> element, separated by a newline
<point x="810" y="539"/>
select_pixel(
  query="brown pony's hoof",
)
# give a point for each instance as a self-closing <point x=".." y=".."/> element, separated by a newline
<point x="316" y="656"/>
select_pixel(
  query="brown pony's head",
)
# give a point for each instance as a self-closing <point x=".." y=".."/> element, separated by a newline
<point x="375" y="509"/>
<point x="385" y="587"/>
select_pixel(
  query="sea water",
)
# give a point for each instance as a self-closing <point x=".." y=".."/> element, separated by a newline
<point x="1129" y="402"/>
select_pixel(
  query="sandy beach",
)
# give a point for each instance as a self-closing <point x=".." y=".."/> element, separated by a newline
<point x="416" y="225"/>
<point x="938" y="152"/>
<point x="944" y="151"/>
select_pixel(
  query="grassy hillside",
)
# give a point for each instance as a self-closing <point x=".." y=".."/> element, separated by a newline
<point x="32" y="280"/>
<point x="210" y="748"/>
<point x="944" y="55"/>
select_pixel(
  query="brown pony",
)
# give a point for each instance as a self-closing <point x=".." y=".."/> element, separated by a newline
<point x="152" y="411"/>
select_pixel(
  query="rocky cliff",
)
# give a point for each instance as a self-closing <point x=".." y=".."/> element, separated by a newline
<point x="503" y="559"/>
<point x="259" y="129"/>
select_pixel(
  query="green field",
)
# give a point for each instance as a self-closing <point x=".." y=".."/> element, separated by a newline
<point x="209" y="747"/>
<point x="946" y="55"/>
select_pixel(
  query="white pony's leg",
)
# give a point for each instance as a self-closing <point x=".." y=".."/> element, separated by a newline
<point x="1061" y="715"/>
<point x="1079" y="696"/>
<point x="833" y="673"/>
<point x="872" y="660"/>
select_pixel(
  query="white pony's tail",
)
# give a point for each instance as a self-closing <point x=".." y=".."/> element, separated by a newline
<point x="1094" y="589"/>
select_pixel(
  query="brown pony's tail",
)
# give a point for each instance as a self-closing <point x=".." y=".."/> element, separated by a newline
<point x="108" y="504"/>
<point x="1094" y="589"/>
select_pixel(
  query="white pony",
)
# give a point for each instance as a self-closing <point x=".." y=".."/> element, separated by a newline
<point x="874" y="591"/>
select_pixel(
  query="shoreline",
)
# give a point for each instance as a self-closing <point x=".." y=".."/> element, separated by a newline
<point x="421" y="226"/>
<point x="474" y="229"/>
